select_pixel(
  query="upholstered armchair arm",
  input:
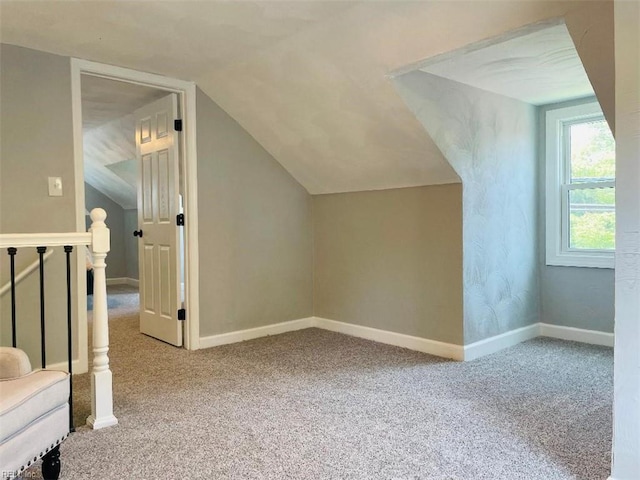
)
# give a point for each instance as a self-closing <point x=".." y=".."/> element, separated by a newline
<point x="14" y="363"/>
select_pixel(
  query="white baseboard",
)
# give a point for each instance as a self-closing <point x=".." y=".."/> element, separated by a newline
<point x="513" y="337"/>
<point x="75" y="364"/>
<point x="425" y="345"/>
<point x="123" y="281"/>
<point x="432" y="347"/>
<point x="576" y="334"/>
<point x="251" y="333"/>
<point x="500" y="342"/>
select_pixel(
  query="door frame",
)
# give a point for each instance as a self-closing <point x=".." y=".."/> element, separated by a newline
<point x="186" y="92"/>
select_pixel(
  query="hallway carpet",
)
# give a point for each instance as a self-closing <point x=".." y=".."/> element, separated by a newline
<point x="122" y="301"/>
<point x="319" y="405"/>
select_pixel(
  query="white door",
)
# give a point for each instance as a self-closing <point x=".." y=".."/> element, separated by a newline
<point x="158" y="206"/>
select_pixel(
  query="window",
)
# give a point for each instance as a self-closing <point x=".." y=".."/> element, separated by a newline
<point x="580" y="194"/>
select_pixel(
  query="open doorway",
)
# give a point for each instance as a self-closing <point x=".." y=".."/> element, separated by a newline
<point x="105" y="124"/>
<point x="111" y="177"/>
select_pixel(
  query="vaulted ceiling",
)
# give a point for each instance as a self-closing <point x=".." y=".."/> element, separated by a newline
<point x="309" y="80"/>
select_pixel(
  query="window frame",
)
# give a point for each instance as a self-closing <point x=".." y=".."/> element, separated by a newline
<point x="558" y="186"/>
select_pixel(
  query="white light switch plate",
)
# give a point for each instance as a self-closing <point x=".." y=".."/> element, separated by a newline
<point x="55" y="186"/>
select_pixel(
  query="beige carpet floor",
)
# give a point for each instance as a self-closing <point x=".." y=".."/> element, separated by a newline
<point x="319" y="405"/>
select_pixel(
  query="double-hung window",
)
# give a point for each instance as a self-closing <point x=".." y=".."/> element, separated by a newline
<point x="580" y="187"/>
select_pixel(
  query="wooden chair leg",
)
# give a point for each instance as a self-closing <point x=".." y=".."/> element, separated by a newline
<point x="51" y="464"/>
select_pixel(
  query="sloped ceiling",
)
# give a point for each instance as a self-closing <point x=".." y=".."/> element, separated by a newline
<point x="105" y="100"/>
<point x="109" y="136"/>
<point x="539" y="67"/>
<point x="308" y="80"/>
<point x="112" y="144"/>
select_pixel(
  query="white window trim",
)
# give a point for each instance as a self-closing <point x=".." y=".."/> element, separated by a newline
<point x="557" y="232"/>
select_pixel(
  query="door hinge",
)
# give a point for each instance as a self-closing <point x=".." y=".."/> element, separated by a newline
<point x="177" y="125"/>
<point x="180" y="219"/>
<point x="182" y="314"/>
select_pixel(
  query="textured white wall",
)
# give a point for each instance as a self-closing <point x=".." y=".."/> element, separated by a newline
<point x="490" y="141"/>
<point x="626" y="426"/>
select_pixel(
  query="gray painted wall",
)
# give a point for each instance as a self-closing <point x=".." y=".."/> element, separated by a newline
<point x="391" y="259"/>
<point x="116" y="266"/>
<point x="37" y="142"/>
<point x="256" y="221"/>
<point x="131" y="243"/>
<point x="571" y="296"/>
<point x="491" y="142"/>
<point x="254" y="230"/>
<point x="578" y="297"/>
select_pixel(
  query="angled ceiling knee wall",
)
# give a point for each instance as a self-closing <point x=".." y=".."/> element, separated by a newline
<point x="592" y="29"/>
<point x="490" y="141"/>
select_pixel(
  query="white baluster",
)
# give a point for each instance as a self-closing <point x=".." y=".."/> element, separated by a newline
<point x="101" y="379"/>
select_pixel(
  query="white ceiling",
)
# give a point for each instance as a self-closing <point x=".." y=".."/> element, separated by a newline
<point x="307" y="79"/>
<point x="105" y="100"/>
<point x="179" y="38"/>
<point x="540" y="67"/>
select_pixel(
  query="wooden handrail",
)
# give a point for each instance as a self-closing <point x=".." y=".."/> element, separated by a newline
<point x="19" y="240"/>
<point x="28" y="270"/>
<point x="98" y="239"/>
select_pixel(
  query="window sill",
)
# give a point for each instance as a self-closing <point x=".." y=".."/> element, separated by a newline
<point x="581" y="260"/>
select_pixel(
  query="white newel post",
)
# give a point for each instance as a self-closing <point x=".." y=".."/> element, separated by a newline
<point x="101" y="381"/>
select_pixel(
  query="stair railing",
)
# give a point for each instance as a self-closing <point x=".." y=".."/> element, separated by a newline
<point x="24" y="273"/>
<point x="97" y="239"/>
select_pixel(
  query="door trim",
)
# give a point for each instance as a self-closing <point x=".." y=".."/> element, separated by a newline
<point x="188" y="158"/>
